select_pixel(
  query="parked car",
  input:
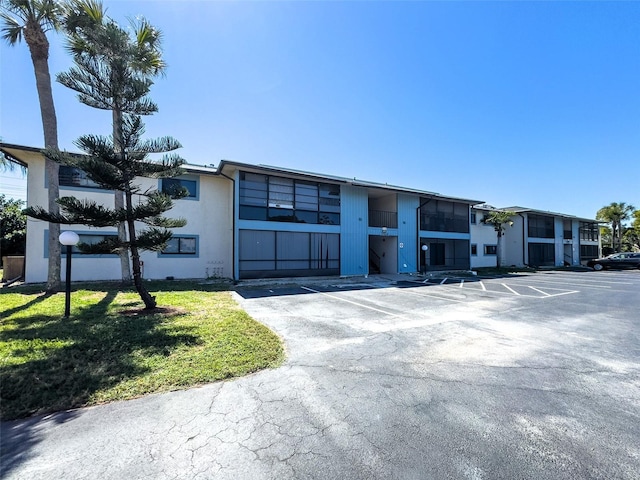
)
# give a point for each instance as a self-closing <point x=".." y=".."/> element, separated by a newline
<point x="616" y="260"/>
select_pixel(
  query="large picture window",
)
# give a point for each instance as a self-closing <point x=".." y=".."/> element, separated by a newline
<point x="278" y="199"/>
<point x="444" y="216"/>
<point x="541" y="226"/>
<point x="280" y="254"/>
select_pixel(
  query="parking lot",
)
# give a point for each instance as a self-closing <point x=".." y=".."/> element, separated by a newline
<point x="513" y="377"/>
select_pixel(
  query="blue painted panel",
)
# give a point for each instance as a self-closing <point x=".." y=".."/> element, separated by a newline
<point x="445" y="235"/>
<point x="286" y="226"/>
<point x="391" y="232"/>
<point x="354" y="238"/>
<point x="407" y="233"/>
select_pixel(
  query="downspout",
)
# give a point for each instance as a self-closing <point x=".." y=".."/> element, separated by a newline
<point x="418" y="249"/>
<point x="523" y="242"/>
<point x="233" y="228"/>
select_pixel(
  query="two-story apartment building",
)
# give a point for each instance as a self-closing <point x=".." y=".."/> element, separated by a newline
<point x="251" y="221"/>
<point x="537" y="238"/>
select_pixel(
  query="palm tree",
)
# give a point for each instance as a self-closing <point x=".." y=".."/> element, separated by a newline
<point x="615" y="213"/>
<point x="499" y="219"/>
<point x="31" y="19"/>
<point x="112" y="71"/>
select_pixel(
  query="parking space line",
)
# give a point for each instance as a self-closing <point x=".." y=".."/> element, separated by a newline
<point x="539" y="291"/>
<point x="510" y="289"/>
<point x="434" y="296"/>
<point x="482" y="285"/>
<point x="561" y="293"/>
<point x="497" y="292"/>
<point x="444" y="281"/>
<point x="558" y="282"/>
<point x="563" y="277"/>
<point x="461" y="283"/>
<point x="352" y="302"/>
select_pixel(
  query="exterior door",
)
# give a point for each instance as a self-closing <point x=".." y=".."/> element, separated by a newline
<point x="436" y="256"/>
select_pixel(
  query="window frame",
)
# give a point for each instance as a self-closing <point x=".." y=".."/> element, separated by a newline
<point x="491" y="246"/>
<point x="179" y="254"/>
<point x="313" y="203"/>
<point x="74" y="251"/>
<point x="589" y="231"/>
<point x="187" y="178"/>
<point x="534" y="228"/>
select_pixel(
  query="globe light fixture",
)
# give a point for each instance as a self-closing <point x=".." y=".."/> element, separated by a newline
<point x="69" y="239"/>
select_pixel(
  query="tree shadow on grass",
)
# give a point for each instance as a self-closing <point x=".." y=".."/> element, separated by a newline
<point x="92" y="351"/>
<point x="40" y="298"/>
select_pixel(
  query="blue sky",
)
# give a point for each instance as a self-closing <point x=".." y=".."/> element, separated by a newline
<point x="515" y="103"/>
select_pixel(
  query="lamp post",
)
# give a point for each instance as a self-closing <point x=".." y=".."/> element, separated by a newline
<point x="424" y="249"/>
<point x="69" y="239"/>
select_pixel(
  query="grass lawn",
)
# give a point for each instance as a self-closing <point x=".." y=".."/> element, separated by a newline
<point x="108" y="349"/>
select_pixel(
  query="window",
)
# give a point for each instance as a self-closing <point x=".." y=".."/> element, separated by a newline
<point x="278" y="254"/>
<point x="542" y="254"/>
<point x="541" y="226"/>
<point x="588" y="252"/>
<point x="182" y="245"/>
<point x="567" y="232"/>
<point x="473" y="218"/>
<point x="490" y="249"/>
<point x="281" y="192"/>
<point x="474" y="249"/>
<point x="88" y="238"/>
<point x="589" y="231"/>
<point x="74" y="177"/>
<point x="278" y="199"/>
<point x="444" y="216"/>
<point x="171" y="186"/>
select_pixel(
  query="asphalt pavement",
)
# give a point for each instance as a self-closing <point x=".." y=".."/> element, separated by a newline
<point x="388" y="377"/>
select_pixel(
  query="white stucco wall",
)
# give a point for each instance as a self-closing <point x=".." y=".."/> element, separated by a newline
<point x="512" y="242"/>
<point x="209" y="218"/>
<point x="482" y="235"/>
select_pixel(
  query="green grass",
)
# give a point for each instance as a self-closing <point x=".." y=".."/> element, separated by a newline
<point x="108" y="350"/>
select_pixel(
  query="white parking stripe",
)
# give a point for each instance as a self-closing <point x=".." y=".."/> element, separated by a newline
<point x="433" y="296"/>
<point x="335" y="297"/>
<point x="509" y="288"/>
<point x="461" y="283"/>
<point x="539" y="291"/>
<point x="482" y="285"/>
<point x="551" y="282"/>
<point x="581" y="278"/>
<point x="443" y="281"/>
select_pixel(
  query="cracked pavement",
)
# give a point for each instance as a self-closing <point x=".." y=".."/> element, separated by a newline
<point x="386" y="380"/>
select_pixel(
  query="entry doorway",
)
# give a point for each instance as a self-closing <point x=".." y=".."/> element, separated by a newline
<point x="383" y="254"/>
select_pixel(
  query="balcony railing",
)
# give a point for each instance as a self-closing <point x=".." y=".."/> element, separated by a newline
<point x="379" y="218"/>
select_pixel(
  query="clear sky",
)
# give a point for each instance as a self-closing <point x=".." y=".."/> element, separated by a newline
<point x="534" y="104"/>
